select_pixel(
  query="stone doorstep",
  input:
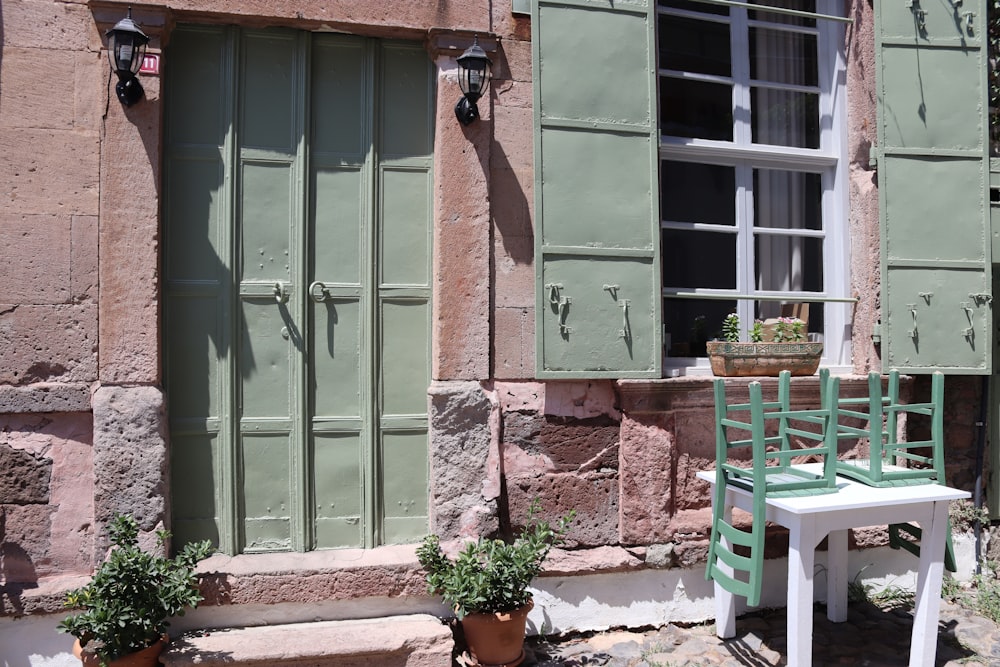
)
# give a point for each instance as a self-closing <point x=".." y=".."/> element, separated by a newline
<point x="417" y="640"/>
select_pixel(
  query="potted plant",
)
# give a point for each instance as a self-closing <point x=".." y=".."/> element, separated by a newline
<point x="786" y="349"/>
<point x="131" y="598"/>
<point x="487" y="585"/>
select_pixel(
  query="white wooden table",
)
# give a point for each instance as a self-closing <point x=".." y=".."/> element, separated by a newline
<point x="811" y="518"/>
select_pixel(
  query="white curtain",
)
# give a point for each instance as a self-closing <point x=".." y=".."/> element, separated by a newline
<point x="780" y="195"/>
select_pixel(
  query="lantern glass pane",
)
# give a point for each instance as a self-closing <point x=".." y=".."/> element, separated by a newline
<point x="125" y="53"/>
<point x="475" y="81"/>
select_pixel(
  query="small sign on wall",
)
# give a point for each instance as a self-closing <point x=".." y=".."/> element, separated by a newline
<point x="150" y="64"/>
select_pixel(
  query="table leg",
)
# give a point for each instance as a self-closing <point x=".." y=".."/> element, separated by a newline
<point x="923" y="643"/>
<point x="725" y="602"/>
<point x="836" y="576"/>
<point x="801" y="560"/>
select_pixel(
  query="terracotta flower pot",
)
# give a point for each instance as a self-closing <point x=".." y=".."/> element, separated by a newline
<point x="497" y="640"/>
<point x="147" y="657"/>
<point x="768" y="359"/>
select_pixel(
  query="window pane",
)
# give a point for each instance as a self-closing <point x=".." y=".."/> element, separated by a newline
<point x="813" y="312"/>
<point x="784" y="118"/>
<point x="787" y="199"/>
<point x="693" y="192"/>
<point x="787" y="263"/>
<point x="800" y="5"/>
<point x="698" y="259"/>
<point x="691" y="6"/>
<point x="783" y="57"/>
<point x="689" y="323"/>
<point x="696" y="109"/>
<point x="690" y="45"/>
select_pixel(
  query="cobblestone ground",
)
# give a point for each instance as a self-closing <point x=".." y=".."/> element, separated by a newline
<point x="871" y="636"/>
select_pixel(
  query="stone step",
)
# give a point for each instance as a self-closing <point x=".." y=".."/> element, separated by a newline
<point x="415" y="640"/>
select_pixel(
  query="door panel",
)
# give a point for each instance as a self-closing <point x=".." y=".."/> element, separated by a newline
<point x="194" y="477"/>
<point x="404" y="455"/>
<point x="338" y="227"/>
<point x="266" y="222"/>
<point x="339" y="497"/>
<point x="405" y="245"/>
<point x="266" y="499"/>
<point x="341" y="81"/>
<point x="270" y="92"/>
<point x="298" y="289"/>
<point x="404" y="342"/>
<point x="337" y="358"/>
<point x="265" y="362"/>
<point x="406" y="102"/>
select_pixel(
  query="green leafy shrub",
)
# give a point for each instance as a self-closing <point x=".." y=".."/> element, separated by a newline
<point x="130" y="599"/>
<point x="491" y="575"/>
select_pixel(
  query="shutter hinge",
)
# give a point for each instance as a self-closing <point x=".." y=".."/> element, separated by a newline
<point x="873" y="157"/>
<point x="877" y="333"/>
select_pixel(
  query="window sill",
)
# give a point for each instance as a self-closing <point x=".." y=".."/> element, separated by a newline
<point x="694" y="391"/>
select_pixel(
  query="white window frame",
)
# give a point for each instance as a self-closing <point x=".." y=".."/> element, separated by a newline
<point x="830" y="160"/>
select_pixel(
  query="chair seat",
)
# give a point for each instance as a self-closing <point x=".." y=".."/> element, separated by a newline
<point x="892" y="475"/>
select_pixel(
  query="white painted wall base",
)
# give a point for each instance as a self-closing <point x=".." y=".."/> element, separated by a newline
<point x="644" y="598"/>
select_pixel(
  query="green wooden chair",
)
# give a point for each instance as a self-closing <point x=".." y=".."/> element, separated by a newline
<point x="767" y="430"/>
<point x="891" y="462"/>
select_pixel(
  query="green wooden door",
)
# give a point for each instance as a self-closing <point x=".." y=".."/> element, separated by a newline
<point x="933" y="175"/>
<point x="297" y="224"/>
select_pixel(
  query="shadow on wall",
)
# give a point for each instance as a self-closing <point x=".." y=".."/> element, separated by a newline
<point x="511" y="211"/>
<point x="16" y="571"/>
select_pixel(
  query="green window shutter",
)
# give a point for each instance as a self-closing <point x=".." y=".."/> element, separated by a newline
<point x="596" y="189"/>
<point x="933" y="171"/>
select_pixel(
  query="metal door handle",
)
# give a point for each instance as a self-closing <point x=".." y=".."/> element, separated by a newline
<point x="319" y="292"/>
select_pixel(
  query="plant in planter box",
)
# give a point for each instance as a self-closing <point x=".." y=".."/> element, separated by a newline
<point x="132" y="596"/>
<point x="787" y="350"/>
<point x="731" y="328"/>
<point x="789" y="330"/>
<point x="487" y="584"/>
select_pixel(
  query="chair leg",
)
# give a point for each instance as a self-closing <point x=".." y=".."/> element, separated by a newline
<point x="898" y="541"/>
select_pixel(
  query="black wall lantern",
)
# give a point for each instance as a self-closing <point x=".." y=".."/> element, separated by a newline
<point x="126" y="49"/>
<point x="474" y="79"/>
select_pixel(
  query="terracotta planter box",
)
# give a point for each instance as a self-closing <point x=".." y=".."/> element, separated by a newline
<point x="767" y="359"/>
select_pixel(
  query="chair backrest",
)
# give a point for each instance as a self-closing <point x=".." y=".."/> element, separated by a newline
<point x="769" y="431"/>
